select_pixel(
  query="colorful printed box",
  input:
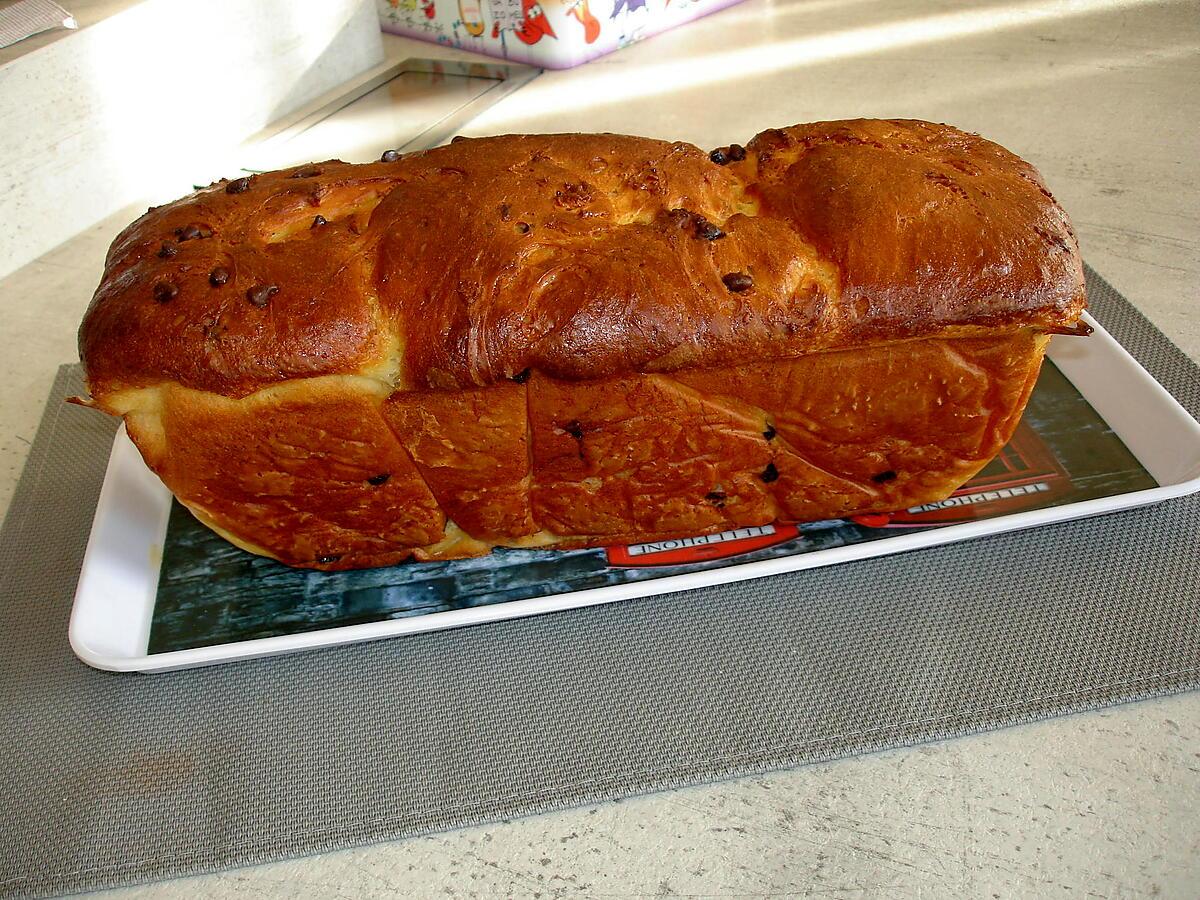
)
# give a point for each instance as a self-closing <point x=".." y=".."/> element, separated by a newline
<point x="554" y="34"/>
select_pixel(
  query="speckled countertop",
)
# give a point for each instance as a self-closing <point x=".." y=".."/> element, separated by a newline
<point x="1101" y="96"/>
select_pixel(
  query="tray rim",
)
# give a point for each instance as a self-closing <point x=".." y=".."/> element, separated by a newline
<point x="122" y="471"/>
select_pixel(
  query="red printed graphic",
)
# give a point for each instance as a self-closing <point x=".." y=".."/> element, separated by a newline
<point x="536" y="25"/>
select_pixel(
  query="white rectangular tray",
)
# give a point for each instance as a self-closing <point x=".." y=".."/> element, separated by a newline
<point x="114" y="602"/>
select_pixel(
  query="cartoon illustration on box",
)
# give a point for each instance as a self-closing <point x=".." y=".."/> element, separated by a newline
<point x="416" y="18"/>
<point x="556" y="34"/>
<point x="534" y="24"/>
<point x="630" y="26"/>
<point x="470" y="16"/>
<point x="578" y="9"/>
<point x="525" y="20"/>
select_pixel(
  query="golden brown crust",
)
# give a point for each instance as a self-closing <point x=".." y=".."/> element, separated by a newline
<point x="580" y="340"/>
<point x="467" y="264"/>
<point x="472" y="449"/>
<point x="929" y="226"/>
<point x="174" y="303"/>
<point x="310" y="473"/>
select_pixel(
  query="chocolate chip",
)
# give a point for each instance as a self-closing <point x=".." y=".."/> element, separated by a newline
<point x="522" y="376"/>
<point x="165" y="291"/>
<point x="379" y="479"/>
<point x="680" y="218"/>
<point x="390" y="156"/>
<point x="884" y="477"/>
<point x="505" y="212"/>
<point x="574" y="429"/>
<point x="192" y="232"/>
<point x="306" y="172"/>
<point x="260" y="295"/>
<point x="770" y="473"/>
<point x="523" y="227"/>
<point x="769" y="434"/>
<point x="715" y="496"/>
<point x="318" y="221"/>
<point x="166" y="251"/>
<point x="701" y="227"/>
<point x="724" y="155"/>
<point x="457" y="138"/>
<point x="218" y="276"/>
<point x="738" y="282"/>
<point x="238" y="185"/>
<point x="326" y="560"/>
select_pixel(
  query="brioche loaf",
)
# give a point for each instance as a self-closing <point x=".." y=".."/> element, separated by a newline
<point x="579" y="340"/>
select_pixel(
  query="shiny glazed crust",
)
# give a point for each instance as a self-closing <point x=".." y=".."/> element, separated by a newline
<point x="574" y="340"/>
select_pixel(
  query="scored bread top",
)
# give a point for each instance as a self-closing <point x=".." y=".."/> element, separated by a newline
<point x="582" y="256"/>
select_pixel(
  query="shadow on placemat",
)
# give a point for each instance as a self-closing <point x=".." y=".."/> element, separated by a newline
<point x="115" y="779"/>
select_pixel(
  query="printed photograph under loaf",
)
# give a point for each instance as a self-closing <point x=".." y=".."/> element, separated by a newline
<point x="566" y="341"/>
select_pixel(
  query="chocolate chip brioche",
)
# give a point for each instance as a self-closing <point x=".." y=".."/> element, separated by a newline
<point x="578" y="340"/>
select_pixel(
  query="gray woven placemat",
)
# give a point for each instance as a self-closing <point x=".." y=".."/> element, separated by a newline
<point x="114" y="779"/>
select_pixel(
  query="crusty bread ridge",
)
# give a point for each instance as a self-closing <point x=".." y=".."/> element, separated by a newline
<point x="572" y="340"/>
